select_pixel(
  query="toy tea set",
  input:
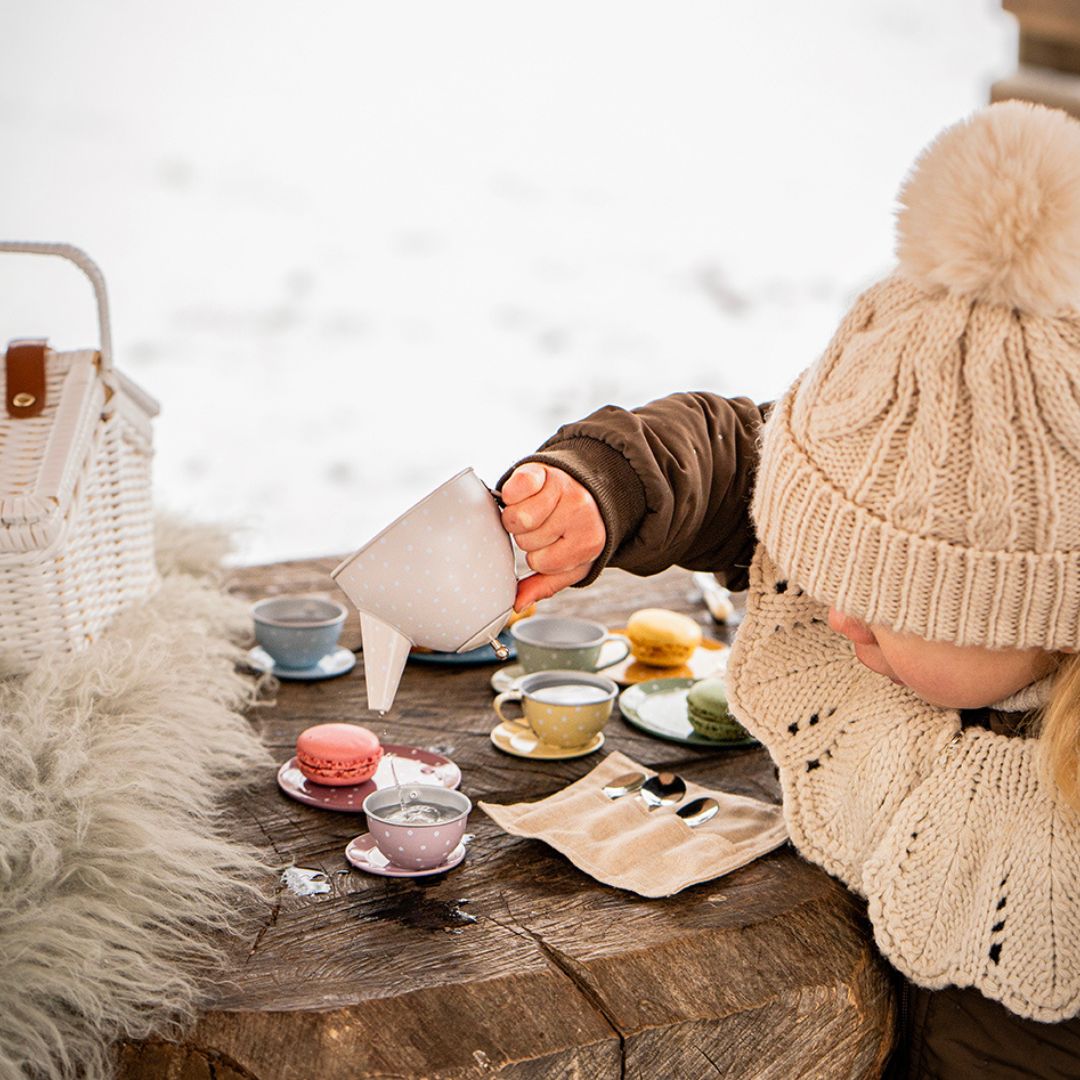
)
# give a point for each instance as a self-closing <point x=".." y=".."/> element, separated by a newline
<point x="442" y="579"/>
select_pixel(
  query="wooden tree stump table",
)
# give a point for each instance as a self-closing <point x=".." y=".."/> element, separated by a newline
<point x="516" y="963"/>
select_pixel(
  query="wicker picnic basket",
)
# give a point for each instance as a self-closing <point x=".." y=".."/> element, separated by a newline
<point x="76" y="522"/>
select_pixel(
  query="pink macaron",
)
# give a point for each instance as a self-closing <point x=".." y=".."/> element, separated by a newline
<point x="338" y="754"/>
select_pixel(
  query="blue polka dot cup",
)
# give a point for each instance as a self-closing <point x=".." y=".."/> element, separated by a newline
<point x="561" y="708"/>
<point x="562" y="643"/>
<point x="298" y="631"/>
<point x="417" y="844"/>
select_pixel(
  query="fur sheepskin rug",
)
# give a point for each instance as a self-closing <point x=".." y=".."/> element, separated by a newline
<point x="114" y="871"/>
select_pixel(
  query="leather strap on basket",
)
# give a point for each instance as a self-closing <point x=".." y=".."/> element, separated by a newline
<point x="25" y="372"/>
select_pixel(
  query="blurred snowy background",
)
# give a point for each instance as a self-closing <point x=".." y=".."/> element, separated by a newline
<point x="353" y="247"/>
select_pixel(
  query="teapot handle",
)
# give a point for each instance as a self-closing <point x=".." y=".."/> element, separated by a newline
<point x="521" y="568"/>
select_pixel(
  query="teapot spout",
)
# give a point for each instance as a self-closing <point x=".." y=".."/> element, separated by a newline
<point x="385" y="652"/>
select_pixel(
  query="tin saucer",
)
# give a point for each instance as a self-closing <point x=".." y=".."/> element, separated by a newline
<point x="658" y="707"/>
<point x="364" y="855"/>
<point x="710" y="658"/>
<point x="414" y="765"/>
<point x="485" y="654"/>
<point x="339" y="662"/>
<point x="519" y="741"/>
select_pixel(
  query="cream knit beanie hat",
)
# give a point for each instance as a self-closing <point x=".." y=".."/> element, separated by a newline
<point x="925" y="472"/>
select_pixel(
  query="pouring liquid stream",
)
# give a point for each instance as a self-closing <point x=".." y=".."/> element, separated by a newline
<point x="397" y="784"/>
<point x="409" y="811"/>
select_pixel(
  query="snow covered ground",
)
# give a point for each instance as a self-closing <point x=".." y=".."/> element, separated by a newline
<point x="355" y="246"/>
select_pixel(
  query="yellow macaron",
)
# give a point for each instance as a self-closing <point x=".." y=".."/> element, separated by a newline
<point x="517" y="616"/>
<point x="662" y="638"/>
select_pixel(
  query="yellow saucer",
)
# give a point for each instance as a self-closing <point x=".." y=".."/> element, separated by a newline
<point x="520" y="742"/>
<point x="710" y="658"/>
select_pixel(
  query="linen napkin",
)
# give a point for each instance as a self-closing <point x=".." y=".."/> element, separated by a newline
<point x="622" y="842"/>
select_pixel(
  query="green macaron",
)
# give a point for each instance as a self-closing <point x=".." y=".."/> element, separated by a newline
<point x="707" y="711"/>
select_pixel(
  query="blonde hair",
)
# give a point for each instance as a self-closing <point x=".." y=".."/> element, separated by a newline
<point x="1059" y="729"/>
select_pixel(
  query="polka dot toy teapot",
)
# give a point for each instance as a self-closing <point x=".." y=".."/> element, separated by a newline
<point x="441" y="576"/>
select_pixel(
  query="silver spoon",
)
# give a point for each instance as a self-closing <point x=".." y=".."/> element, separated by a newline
<point x="698" y="811"/>
<point x="663" y="789"/>
<point x="624" y="785"/>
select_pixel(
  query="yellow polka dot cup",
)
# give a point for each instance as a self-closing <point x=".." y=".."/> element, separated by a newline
<point x="561" y="708"/>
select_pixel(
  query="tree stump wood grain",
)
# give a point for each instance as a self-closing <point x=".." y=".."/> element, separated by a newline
<point x="1048" y="71"/>
<point x="516" y="964"/>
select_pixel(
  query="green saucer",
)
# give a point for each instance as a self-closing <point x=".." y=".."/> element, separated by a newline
<point x="658" y="707"/>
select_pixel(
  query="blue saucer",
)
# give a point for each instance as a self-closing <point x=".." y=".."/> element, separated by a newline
<point x="484" y="655"/>
<point x="339" y="662"/>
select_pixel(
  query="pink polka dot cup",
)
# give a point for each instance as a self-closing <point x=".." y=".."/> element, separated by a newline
<point x="420" y="832"/>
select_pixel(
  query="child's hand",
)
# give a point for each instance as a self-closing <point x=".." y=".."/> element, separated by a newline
<point x="556" y="521"/>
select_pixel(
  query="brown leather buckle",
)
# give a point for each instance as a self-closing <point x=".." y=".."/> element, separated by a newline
<point x="25" y="373"/>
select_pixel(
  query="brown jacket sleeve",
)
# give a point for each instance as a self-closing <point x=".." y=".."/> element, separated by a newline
<point x="672" y="480"/>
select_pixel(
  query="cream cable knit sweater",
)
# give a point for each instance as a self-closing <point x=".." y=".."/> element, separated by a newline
<point x="970" y="863"/>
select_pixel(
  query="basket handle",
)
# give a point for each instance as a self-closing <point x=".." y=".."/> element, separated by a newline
<point x="89" y="268"/>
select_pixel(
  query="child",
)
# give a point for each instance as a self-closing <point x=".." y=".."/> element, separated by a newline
<point x="912" y="542"/>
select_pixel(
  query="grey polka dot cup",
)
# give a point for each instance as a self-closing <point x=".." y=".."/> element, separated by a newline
<point x="562" y="643"/>
<point x="417" y="844"/>
<point x="561" y="708"/>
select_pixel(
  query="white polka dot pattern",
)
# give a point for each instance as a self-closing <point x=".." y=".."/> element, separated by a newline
<point x="564" y="724"/>
<point x="419" y="847"/>
<point x="443" y="572"/>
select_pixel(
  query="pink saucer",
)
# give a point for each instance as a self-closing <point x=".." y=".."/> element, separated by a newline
<point x="414" y="766"/>
<point x="364" y="855"/>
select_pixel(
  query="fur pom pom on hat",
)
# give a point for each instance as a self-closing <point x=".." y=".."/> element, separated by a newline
<point x="924" y="474"/>
<point x="991" y="210"/>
